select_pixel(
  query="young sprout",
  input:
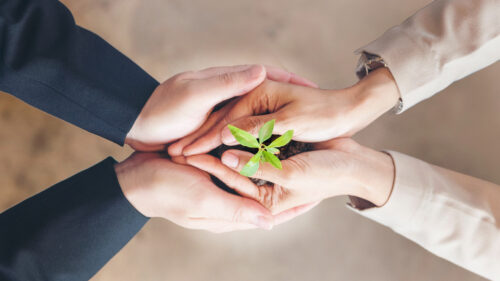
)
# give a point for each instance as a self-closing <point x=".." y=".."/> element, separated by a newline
<point x="265" y="153"/>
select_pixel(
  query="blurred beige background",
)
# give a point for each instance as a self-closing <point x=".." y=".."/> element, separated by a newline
<point x="458" y="129"/>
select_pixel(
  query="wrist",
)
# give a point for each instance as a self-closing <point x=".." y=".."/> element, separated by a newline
<point x="375" y="94"/>
<point x="125" y="175"/>
<point x="374" y="175"/>
<point x="379" y="183"/>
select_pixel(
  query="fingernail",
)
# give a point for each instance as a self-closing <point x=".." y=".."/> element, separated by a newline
<point x="264" y="222"/>
<point x="230" y="160"/>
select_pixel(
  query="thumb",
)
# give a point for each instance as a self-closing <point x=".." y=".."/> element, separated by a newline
<point x="236" y="209"/>
<point x="236" y="160"/>
<point x="231" y="178"/>
<point x="226" y="85"/>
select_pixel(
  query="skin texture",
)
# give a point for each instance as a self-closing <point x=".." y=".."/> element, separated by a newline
<point x="176" y="189"/>
<point x="314" y="114"/>
<point x="159" y="187"/>
<point x="180" y="105"/>
<point x="185" y="195"/>
<point x="337" y="167"/>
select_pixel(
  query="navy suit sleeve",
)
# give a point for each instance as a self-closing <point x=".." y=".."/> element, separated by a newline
<point x="69" y="231"/>
<point x="51" y="63"/>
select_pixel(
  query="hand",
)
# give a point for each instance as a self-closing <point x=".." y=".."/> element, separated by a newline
<point x="336" y="167"/>
<point x="181" y="104"/>
<point x="157" y="187"/>
<point x="315" y="115"/>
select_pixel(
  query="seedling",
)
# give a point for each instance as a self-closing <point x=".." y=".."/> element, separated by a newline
<point x="265" y="153"/>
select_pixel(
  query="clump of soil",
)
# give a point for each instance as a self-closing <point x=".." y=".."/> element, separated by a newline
<point x="292" y="148"/>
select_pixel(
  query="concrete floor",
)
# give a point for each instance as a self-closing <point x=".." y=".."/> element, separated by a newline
<point x="458" y="129"/>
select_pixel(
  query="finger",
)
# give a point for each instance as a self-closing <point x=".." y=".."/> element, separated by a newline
<point x="236" y="209"/>
<point x="212" y="137"/>
<point x="227" y="85"/>
<point x="243" y="185"/>
<point x="218" y="226"/>
<point x="273" y="73"/>
<point x="301" y="81"/>
<point x="252" y="104"/>
<point x="206" y="142"/>
<point x="179" y="160"/>
<point x="218" y="70"/>
<point x="140" y="146"/>
<point x="277" y="74"/>
<point x="177" y="148"/>
<point x="236" y="159"/>
<point x="293" y="212"/>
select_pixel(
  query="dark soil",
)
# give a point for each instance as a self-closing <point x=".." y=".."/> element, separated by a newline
<point x="286" y="151"/>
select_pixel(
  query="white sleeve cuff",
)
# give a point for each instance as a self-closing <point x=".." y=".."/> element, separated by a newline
<point x="406" y="198"/>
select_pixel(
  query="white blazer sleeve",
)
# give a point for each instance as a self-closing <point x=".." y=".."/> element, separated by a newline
<point x="442" y="43"/>
<point x="454" y="216"/>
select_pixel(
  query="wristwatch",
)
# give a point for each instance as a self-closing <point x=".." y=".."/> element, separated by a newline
<point x="369" y="62"/>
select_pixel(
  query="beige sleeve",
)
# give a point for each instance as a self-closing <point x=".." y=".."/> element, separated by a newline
<point x="454" y="216"/>
<point x="441" y="43"/>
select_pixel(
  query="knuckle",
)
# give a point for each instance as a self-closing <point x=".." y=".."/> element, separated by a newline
<point x="252" y="124"/>
<point x="226" y="119"/>
<point x="280" y="194"/>
<point x="261" y="103"/>
<point x="266" y="196"/>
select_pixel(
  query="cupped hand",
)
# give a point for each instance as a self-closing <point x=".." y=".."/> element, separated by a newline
<point x="185" y="195"/>
<point x="336" y="167"/>
<point x="182" y="104"/>
<point x="314" y="114"/>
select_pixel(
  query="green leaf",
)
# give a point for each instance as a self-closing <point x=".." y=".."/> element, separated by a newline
<point x="252" y="165"/>
<point x="263" y="159"/>
<point x="282" y="140"/>
<point x="271" y="158"/>
<point x="249" y="171"/>
<point x="273" y="150"/>
<point x="244" y="138"/>
<point x="266" y="131"/>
